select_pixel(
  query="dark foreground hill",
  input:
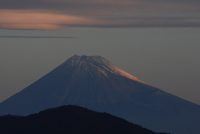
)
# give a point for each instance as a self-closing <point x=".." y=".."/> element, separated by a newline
<point x="69" y="120"/>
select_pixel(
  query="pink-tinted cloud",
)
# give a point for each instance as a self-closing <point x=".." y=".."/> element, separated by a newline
<point x="36" y="19"/>
<point x="40" y="19"/>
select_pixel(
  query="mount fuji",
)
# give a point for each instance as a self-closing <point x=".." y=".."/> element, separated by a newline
<point x="97" y="84"/>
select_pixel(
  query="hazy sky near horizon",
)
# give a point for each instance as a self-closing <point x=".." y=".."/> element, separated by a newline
<point x="156" y="41"/>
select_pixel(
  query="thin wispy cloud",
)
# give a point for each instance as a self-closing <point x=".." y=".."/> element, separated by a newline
<point x="40" y="37"/>
<point x="56" y="15"/>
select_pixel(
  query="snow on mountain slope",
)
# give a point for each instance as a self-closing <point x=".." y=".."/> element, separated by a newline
<point x="103" y="66"/>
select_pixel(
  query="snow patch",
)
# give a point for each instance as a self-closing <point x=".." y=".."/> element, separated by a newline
<point x="119" y="71"/>
<point x="102" y="65"/>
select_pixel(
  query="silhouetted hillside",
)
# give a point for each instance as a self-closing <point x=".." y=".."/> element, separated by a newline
<point x="69" y="120"/>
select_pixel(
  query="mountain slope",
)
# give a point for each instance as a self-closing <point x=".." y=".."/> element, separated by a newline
<point x="95" y="83"/>
<point x="71" y="120"/>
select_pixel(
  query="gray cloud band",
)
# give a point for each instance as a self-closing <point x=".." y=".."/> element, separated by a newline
<point x="40" y="37"/>
<point x="118" y="5"/>
<point x="140" y="24"/>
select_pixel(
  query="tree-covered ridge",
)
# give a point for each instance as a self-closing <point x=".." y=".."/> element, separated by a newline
<point x="69" y="120"/>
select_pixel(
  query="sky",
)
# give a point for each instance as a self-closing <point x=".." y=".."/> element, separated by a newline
<point x="157" y="41"/>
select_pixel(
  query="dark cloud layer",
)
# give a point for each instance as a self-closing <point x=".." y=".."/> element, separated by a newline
<point x="99" y="13"/>
<point x="122" y="5"/>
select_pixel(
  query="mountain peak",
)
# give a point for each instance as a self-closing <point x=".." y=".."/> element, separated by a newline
<point x="98" y="64"/>
<point x="95" y="83"/>
<point x="84" y="57"/>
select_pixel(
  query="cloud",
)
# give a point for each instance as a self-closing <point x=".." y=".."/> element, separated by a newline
<point x="56" y="15"/>
<point x="34" y="19"/>
<point x="103" y="6"/>
<point x="37" y="19"/>
<point x="36" y="37"/>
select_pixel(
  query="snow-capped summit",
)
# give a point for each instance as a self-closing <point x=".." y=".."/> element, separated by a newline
<point x="98" y="64"/>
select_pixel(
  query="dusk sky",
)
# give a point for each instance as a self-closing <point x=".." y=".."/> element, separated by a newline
<point x="157" y="41"/>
